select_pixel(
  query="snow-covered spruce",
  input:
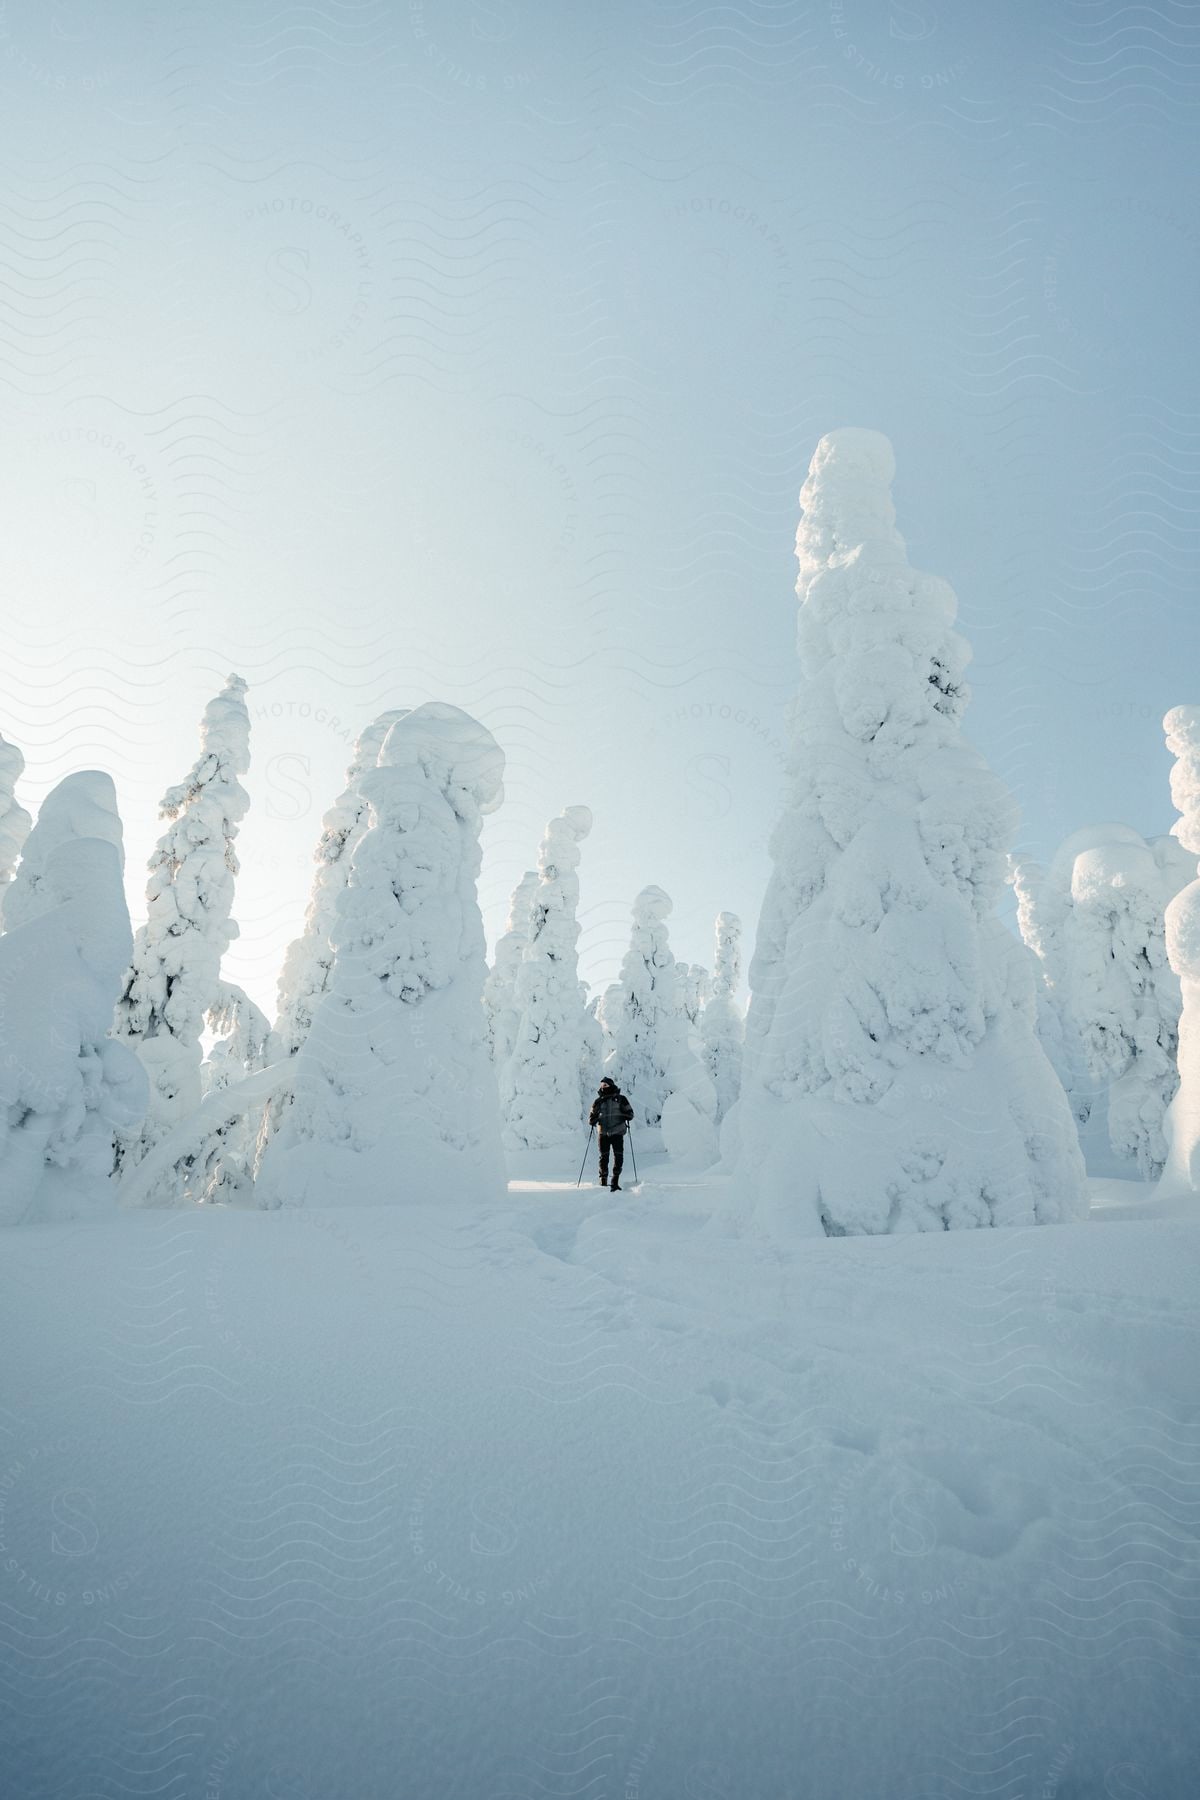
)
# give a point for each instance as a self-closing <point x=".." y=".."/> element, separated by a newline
<point x="1124" y="996"/>
<point x="175" y="978"/>
<point x="83" y="805"/>
<point x="500" y="988"/>
<point x="309" y="958"/>
<point x="1181" y="1173"/>
<point x="591" y="1060"/>
<point x="65" y="1084"/>
<point x="722" y="1025"/>
<point x="642" y="1014"/>
<point x="695" y="985"/>
<point x="223" y="1170"/>
<point x="395" y="1092"/>
<point x="892" y="1077"/>
<point x="539" y="1083"/>
<point x="14" y="820"/>
<point x="1043" y="902"/>
<point x="649" y="1054"/>
<point x="1108" y="1001"/>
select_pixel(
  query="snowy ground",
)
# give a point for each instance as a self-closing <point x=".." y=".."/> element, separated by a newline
<point x="579" y="1499"/>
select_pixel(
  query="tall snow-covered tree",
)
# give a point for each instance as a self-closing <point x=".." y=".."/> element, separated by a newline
<point x="1043" y="899"/>
<point x="695" y="985"/>
<point x="1108" y="1001"/>
<point x="892" y="1077"/>
<point x="1124" y="996"/>
<point x="642" y="1012"/>
<point x="1044" y="916"/>
<point x="174" y="982"/>
<point x="14" y="820"/>
<point x="500" y="1009"/>
<point x="223" y="1170"/>
<point x="308" y="960"/>
<point x="539" y="1083"/>
<point x="65" y="1084"/>
<point x="1181" y="1172"/>
<point x="309" y="957"/>
<point x="395" y="1094"/>
<point x="722" y="1025"/>
<point x="591" y="1061"/>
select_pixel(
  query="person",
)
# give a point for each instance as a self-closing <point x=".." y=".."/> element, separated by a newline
<point x="612" y="1112"/>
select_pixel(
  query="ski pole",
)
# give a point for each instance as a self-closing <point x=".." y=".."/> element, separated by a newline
<point x="633" y="1153"/>
<point x="583" y="1164"/>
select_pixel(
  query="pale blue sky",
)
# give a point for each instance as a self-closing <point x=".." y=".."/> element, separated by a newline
<point x="477" y="351"/>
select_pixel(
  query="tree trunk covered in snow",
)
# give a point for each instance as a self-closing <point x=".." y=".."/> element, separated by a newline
<point x="539" y="1083"/>
<point x="395" y="1095"/>
<point x="892" y="1077"/>
<point x="175" y="978"/>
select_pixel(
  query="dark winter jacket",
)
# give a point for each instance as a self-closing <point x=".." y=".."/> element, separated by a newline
<point x="612" y="1113"/>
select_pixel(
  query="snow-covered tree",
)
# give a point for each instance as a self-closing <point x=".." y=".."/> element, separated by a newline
<point x="539" y="1083"/>
<point x="591" y="1061"/>
<point x="689" y="1114"/>
<point x="83" y="805"/>
<point x="1108" y="1002"/>
<point x="65" y="1084"/>
<point x="642" y="1012"/>
<point x="722" y="1025"/>
<point x="1043" y="901"/>
<point x="1181" y="1173"/>
<point x="14" y="820"/>
<point x="174" y="981"/>
<point x="1044" y="917"/>
<point x="309" y="957"/>
<point x="892" y="1077"/>
<point x="224" y="1166"/>
<point x="1124" y="995"/>
<point x="501" y="1013"/>
<point x="395" y="1094"/>
<point x="695" y="985"/>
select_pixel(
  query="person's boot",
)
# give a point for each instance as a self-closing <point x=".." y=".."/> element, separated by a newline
<point x="616" y="1186"/>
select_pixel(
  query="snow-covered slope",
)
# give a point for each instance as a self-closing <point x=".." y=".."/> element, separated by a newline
<point x="571" y="1499"/>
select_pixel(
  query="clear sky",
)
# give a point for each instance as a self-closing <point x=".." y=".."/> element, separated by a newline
<point x="383" y="350"/>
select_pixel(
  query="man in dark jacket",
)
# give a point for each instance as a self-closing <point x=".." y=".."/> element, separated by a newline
<point x="612" y="1112"/>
